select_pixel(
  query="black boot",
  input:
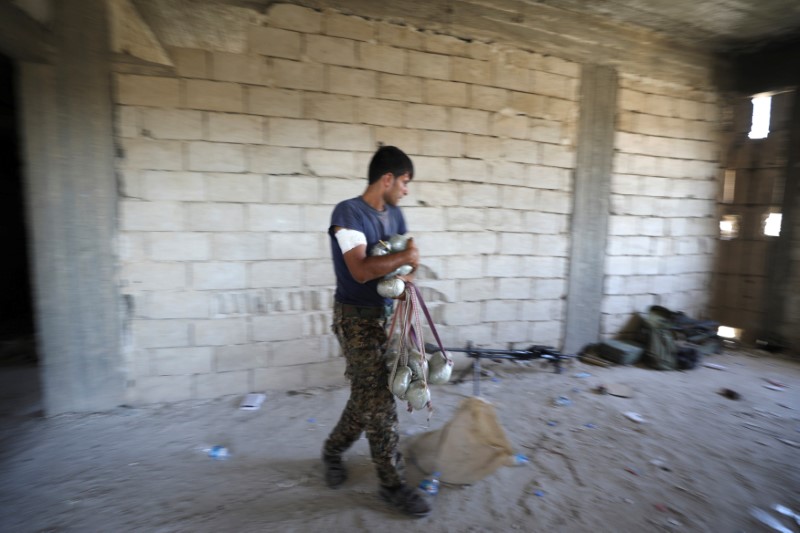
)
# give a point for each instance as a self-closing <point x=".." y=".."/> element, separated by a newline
<point x="407" y="499"/>
<point x="335" y="472"/>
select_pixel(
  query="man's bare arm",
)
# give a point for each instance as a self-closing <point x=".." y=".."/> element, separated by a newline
<point x="364" y="268"/>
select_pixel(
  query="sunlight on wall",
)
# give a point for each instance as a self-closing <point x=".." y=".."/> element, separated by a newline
<point x="727" y="332"/>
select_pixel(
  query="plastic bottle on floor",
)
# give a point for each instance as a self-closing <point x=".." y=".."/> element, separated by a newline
<point x="431" y="486"/>
<point x="218" y="452"/>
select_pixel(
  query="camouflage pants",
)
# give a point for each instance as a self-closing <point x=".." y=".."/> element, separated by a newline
<point x="371" y="406"/>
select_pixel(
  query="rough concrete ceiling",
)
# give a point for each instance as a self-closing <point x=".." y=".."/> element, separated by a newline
<point x="718" y="25"/>
<point x="721" y="25"/>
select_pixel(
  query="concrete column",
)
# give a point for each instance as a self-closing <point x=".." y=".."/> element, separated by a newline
<point x="595" y="145"/>
<point x="72" y="198"/>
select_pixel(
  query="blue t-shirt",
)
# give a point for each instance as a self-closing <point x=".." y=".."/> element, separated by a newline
<point x="356" y="214"/>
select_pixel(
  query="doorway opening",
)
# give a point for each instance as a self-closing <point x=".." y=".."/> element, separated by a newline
<point x="19" y="373"/>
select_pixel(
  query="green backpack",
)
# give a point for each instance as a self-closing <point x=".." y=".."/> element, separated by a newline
<point x="661" y="352"/>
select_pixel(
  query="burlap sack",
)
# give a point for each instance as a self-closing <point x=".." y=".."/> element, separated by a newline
<point x="468" y="448"/>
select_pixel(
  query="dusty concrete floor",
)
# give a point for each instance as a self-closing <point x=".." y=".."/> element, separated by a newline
<point x="698" y="463"/>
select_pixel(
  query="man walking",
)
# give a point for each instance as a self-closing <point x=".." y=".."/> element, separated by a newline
<point x="359" y="322"/>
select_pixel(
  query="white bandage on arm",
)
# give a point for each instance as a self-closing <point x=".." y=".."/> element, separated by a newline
<point x="349" y="239"/>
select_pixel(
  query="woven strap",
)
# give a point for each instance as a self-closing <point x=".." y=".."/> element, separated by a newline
<point x="402" y="319"/>
<point x="411" y="332"/>
<point x="424" y="307"/>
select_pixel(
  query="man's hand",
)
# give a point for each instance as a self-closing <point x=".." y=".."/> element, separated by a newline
<point x="413" y="254"/>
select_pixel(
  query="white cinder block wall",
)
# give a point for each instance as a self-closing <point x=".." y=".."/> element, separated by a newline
<point x="230" y="167"/>
<point x="663" y="228"/>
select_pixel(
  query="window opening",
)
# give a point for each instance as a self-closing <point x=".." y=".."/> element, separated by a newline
<point x="729" y="227"/>
<point x="772" y="224"/>
<point x="759" y="127"/>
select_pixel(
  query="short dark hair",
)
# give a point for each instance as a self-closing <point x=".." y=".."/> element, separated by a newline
<point x="389" y="159"/>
